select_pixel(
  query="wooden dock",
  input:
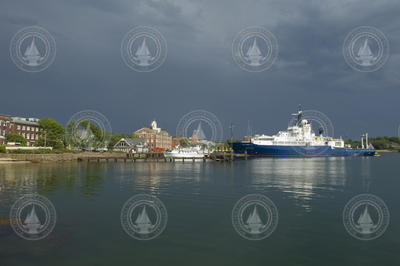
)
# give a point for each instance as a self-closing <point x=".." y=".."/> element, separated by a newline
<point x="227" y="156"/>
<point x="133" y="157"/>
<point x="218" y="156"/>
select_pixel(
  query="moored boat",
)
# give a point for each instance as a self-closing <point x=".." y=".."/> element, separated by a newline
<point x="299" y="141"/>
<point x="189" y="152"/>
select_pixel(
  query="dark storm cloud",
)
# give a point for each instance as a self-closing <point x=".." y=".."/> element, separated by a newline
<point x="16" y="20"/>
<point x="199" y="72"/>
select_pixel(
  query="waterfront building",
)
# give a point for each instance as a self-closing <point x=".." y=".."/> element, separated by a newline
<point x="191" y="140"/>
<point x="175" y="142"/>
<point x="5" y="124"/>
<point x="157" y="139"/>
<point x="131" y="145"/>
<point x="28" y="128"/>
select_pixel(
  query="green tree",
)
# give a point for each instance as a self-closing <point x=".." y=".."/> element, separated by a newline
<point x="16" y="138"/>
<point x="395" y="139"/>
<point x="379" y="143"/>
<point x="97" y="132"/>
<point x="52" y="133"/>
<point x="71" y="129"/>
<point x="184" y="142"/>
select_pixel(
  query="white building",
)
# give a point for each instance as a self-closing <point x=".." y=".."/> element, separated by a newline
<point x="131" y="145"/>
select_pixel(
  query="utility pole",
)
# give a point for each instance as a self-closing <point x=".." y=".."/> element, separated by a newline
<point x="45" y="138"/>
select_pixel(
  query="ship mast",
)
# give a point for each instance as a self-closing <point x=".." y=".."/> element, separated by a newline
<point x="249" y="131"/>
<point x="298" y="115"/>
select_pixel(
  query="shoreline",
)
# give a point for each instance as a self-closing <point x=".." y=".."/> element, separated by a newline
<point x="10" y="158"/>
<point x="13" y="162"/>
<point x="62" y="157"/>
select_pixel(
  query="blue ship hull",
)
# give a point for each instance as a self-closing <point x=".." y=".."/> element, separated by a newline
<point x="296" y="151"/>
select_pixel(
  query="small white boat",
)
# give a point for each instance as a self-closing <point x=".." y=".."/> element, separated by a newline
<point x="190" y="152"/>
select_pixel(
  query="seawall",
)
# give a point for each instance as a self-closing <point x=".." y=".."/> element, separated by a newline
<point x="60" y="157"/>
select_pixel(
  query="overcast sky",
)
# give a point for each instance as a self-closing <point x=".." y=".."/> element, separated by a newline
<point x="199" y="72"/>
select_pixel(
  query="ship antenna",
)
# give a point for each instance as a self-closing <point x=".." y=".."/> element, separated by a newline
<point x="249" y="131"/>
<point x="299" y="115"/>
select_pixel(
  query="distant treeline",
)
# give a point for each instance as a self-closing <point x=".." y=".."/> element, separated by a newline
<point x="379" y="143"/>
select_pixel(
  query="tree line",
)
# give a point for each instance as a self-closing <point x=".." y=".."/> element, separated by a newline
<point x="379" y="143"/>
<point x="52" y="134"/>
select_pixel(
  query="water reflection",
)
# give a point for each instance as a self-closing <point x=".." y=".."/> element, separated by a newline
<point x="366" y="173"/>
<point x="17" y="180"/>
<point x="300" y="177"/>
<point x="156" y="177"/>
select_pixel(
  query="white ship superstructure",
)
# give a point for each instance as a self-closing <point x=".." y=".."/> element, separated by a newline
<point x="301" y="134"/>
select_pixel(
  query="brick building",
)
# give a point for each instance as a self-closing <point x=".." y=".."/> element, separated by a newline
<point x="176" y="140"/>
<point x="158" y="139"/>
<point x="5" y="125"/>
<point x="26" y="127"/>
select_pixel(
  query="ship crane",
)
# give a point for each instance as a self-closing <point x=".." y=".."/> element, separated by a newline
<point x="365" y="135"/>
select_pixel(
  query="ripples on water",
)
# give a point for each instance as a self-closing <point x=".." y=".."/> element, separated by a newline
<point x="310" y="194"/>
<point x="299" y="178"/>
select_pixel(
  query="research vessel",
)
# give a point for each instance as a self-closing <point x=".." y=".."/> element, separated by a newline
<point x="299" y="140"/>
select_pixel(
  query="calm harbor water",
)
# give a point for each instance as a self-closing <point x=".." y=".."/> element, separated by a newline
<point x="310" y="195"/>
